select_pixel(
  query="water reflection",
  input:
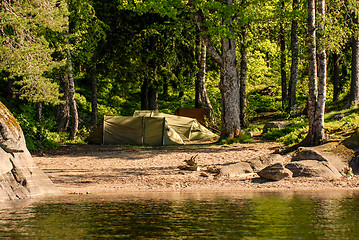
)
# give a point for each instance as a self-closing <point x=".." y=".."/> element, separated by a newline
<point x="218" y="216"/>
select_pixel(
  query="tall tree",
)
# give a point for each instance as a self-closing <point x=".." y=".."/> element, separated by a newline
<point x="87" y="37"/>
<point x="243" y="78"/>
<point x="283" y="59"/>
<point x="292" y="89"/>
<point x="229" y="82"/>
<point x="63" y="109"/>
<point x="317" y="82"/>
<point x="72" y="102"/>
<point x="354" y="86"/>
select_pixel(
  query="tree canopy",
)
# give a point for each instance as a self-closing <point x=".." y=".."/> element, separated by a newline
<point x="133" y="54"/>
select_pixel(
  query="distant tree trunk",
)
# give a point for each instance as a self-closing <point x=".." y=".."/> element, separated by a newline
<point x="336" y="77"/>
<point x="317" y="89"/>
<point x="72" y="102"/>
<point x="292" y="90"/>
<point x="165" y="90"/>
<point x="152" y="98"/>
<point x="10" y="85"/>
<point x="201" y="75"/>
<point x="94" y="110"/>
<point x="63" y="109"/>
<point x="229" y="83"/>
<point x="354" y="87"/>
<point x="243" y="79"/>
<point x="268" y="60"/>
<point x="283" y="62"/>
<point x="152" y="85"/>
<point x="201" y="96"/>
<point x="144" y="95"/>
<point x="39" y="113"/>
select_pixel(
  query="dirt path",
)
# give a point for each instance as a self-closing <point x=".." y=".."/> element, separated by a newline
<point x="109" y="169"/>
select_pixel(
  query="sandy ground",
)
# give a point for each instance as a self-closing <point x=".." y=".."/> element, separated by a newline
<point x="93" y="169"/>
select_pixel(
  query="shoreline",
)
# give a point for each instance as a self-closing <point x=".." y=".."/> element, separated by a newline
<point x="106" y="170"/>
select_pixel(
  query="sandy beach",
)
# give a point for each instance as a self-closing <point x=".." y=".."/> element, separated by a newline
<point x="95" y="169"/>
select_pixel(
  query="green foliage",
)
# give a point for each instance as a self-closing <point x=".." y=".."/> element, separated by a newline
<point x="244" y="138"/>
<point x="26" y="49"/>
<point x="37" y="138"/>
<point x="263" y="98"/>
<point x="290" y="134"/>
<point x="338" y="129"/>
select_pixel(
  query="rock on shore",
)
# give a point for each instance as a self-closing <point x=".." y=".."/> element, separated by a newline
<point x="20" y="178"/>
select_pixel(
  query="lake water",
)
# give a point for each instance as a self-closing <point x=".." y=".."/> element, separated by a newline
<point x="319" y="215"/>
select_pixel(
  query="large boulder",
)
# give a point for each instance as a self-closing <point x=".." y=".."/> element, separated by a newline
<point x="275" y="172"/>
<point x="319" y="154"/>
<point x="20" y="178"/>
<point x="261" y="162"/>
<point x="313" y="168"/>
<point x="240" y="169"/>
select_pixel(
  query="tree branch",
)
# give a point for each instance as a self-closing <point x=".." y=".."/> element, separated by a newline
<point x="200" y="18"/>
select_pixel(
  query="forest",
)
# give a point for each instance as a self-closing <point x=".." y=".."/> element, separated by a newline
<point x="66" y="64"/>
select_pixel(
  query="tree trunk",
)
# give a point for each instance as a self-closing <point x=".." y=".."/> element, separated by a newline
<point x="39" y="114"/>
<point x="243" y="79"/>
<point x="72" y="102"/>
<point x="73" y="108"/>
<point x="63" y="109"/>
<point x="336" y="77"/>
<point x="144" y="95"/>
<point x="94" y="110"/>
<point x="152" y="87"/>
<point x="202" y="99"/>
<point x="322" y="75"/>
<point x="165" y="90"/>
<point x="152" y="98"/>
<point x="10" y="86"/>
<point x="354" y="87"/>
<point x="292" y="90"/>
<point x="283" y="62"/>
<point x="201" y="76"/>
<point x="317" y="89"/>
<point x="229" y="84"/>
<point x="229" y="87"/>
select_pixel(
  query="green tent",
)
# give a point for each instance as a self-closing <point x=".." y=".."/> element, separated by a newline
<point x="134" y="130"/>
<point x="187" y="128"/>
<point x="148" y="128"/>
